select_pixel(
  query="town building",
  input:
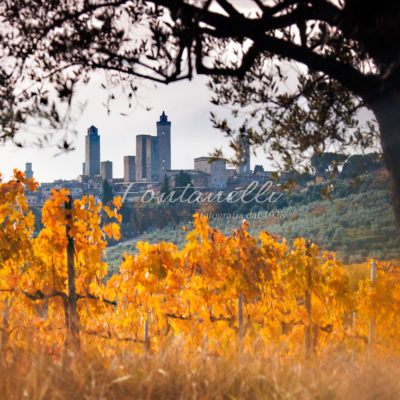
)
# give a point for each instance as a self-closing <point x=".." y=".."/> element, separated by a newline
<point x="143" y="158"/>
<point x="106" y="170"/>
<point x="244" y="157"/>
<point x="216" y="169"/>
<point x="153" y="165"/>
<point x="146" y="170"/>
<point x="92" y="152"/>
<point x="200" y="180"/>
<point x="164" y="145"/>
<point x="153" y="153"/>
<point x="28" y="170"/>
<point x="129" y="169"/>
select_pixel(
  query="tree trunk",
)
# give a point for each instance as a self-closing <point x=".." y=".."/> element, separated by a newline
<point x="387" y="112"/>
<point x="72" y="316"/>
<point x="4" y="333"/>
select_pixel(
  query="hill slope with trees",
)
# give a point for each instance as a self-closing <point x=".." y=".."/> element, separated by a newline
<point x="356" y="220"/>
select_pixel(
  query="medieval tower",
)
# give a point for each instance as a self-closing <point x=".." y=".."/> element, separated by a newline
<point x="92" y="152"/>
<point x="164" y="146"/>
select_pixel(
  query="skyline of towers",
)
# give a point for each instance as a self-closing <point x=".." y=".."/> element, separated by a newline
<point x="153" y="158"/>
<point x="153" y="153"/>
<point x="92" y="152"/>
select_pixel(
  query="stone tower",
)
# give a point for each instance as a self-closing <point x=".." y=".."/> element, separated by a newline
<point x="146" y="158"/>
<point x="141" y="156"/>
<point x="129" y="169"/>
<point x="154" y="166"/>
<point x="28" y="170"/>
<point x="106" y="170"/>
<point x="92" y="152"/>
<point x="164" y="146"/>
<point x="244" y="167"/>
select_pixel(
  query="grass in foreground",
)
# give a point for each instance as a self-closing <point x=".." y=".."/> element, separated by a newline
<point x="167" y="375"/>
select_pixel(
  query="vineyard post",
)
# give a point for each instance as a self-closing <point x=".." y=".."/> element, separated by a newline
<point x="372" y="320"/>
<point x="146" y="334"/>
<point x="205" y="344"/>
<point x="307" y="303"/>
<point x="240" y="317"/>
<point x="4" y="332"/>
<point x="353" y="324"/>
<point x="71" y="312"/>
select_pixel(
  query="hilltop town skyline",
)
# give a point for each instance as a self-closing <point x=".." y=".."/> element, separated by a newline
<point x="152" y="159"/>
<point x="149" y="169"/>
<point x="193" y="134"/>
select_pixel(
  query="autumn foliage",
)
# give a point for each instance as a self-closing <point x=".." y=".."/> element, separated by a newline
<point x="257" y="295"/>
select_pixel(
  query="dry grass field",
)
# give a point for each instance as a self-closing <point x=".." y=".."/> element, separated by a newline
<point x="167" y="375"/>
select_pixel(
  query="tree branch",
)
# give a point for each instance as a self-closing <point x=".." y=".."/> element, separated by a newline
<point x="348" y="76"/>
<point x="270" y="11"/>
<point x="39" y="295"/>
<point x="343" y="73"/>
<point x="164" y="80"/>
<point x="230" y="9"/>
<point x="247" y="61"/>
<point x="91" y="296"/>
<point x="212" y="318"/>
<point x="109" y="336"/>
<point x="255" y="29"/>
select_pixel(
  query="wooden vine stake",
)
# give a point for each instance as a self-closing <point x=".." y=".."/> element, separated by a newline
<point x="308" y="336"/>
<point x="240" y="321"/>
<point x="72" y="317"/>
<point x="146" y="334"/>
<point x="372" y="320"/>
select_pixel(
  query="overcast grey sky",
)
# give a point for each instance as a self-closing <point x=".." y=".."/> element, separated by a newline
<point x="187" y="105"/>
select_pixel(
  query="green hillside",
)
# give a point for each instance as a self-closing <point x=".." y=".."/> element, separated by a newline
<point x="356" y="222"/>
